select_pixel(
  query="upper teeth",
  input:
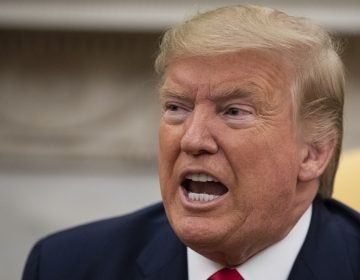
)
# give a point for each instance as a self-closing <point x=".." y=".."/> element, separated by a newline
<point x="201" y="177"/>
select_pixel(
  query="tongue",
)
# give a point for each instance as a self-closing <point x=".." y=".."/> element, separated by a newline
<point x="207" y="187"/>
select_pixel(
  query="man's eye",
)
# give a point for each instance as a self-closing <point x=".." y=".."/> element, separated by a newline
<point x="174" y="113"/>
<point x="234" y="111"/>
<point x="172" y="107"/>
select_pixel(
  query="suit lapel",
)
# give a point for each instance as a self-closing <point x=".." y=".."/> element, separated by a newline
<point x="324" y="253"/>
<point x="164" y="257"/>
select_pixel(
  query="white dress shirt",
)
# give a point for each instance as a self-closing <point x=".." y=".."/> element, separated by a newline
<point x="274" y="262"/>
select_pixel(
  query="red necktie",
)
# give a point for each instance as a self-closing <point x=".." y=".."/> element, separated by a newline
<point x="226" y="274"/>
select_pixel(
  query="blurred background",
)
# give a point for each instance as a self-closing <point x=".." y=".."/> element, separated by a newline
<point x="78" y="108"/>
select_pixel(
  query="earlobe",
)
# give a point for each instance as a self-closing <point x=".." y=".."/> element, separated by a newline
<point x="315" y="158"/>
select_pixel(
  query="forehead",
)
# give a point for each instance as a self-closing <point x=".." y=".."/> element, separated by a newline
<point x="256" y="72"/>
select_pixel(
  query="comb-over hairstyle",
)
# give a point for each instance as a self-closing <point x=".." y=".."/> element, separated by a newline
<point x="318" y="88"/>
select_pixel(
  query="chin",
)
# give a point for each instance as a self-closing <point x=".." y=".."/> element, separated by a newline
<point x="197" y="232"/>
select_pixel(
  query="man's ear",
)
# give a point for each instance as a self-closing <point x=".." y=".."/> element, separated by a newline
<point x="315" y="158"/>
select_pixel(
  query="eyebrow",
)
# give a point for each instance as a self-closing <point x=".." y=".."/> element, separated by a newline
<point x="249" y="93"/>
<point x="233" y="93"/>
<point x="217" y="96"/>
<point x="167" y="93"/>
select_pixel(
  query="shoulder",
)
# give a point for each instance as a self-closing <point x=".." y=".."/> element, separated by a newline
<point x="347" y="222"/>
<point x="339" y="231"/>
<point x="140" y="223"/>
<point x="332" y="246"/>
<point x="347" y="219"/>
<point x="105" y="246"/>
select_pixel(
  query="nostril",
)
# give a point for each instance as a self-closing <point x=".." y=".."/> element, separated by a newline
<point x="198" y="153"/>
<point x="199" y="145"/>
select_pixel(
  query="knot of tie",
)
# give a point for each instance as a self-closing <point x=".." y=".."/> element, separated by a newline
<point x="226" y="274"/>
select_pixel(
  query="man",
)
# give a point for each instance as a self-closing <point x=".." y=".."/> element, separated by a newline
<point x="250" y="137"/>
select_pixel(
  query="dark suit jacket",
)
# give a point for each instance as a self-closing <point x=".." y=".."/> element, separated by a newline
<point x="143" y="246"/>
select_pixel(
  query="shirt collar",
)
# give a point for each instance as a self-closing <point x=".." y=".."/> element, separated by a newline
<point x="275" y="262"/>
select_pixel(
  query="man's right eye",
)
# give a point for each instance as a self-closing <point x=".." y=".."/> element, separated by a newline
<point x="172" y="107"/>
<point x="174" y="113"/>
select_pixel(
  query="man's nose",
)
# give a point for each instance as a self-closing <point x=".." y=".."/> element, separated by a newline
<point x="198" y="138"/>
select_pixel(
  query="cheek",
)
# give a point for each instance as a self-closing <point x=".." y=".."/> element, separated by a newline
<point x="169" y="147"/>
<point x="265" y="183"/>
<point x="264" y="166"/>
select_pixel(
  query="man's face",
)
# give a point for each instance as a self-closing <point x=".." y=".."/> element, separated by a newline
<point x="229" y="153"/>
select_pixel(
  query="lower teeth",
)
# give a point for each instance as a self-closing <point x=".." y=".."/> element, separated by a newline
<point x="202" y="196"/>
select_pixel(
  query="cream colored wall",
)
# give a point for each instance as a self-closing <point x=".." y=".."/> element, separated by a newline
<point x="351" y="56"/>
<point x="68" y="97"/>
<point x="347" y="180"/>
<point x="347" y="187"/>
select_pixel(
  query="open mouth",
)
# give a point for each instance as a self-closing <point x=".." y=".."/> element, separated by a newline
<point x="202" y="187"/>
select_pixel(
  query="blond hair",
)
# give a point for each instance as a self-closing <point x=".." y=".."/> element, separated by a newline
<point x="318" y="88"/>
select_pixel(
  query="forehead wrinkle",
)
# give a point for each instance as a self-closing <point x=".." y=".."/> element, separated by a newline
<point x="230" y="93"/>
<point x="173" y="93"/>
<point x="244" y="92"/>
<point x="178" y="78"/>
<point x="175" y="86"/>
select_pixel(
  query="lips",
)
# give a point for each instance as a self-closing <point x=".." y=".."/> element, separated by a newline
<point x="202" y="187"/>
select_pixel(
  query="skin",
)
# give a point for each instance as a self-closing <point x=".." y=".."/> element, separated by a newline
<point x="231" y="116"/>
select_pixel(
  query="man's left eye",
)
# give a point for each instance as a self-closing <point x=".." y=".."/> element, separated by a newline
<point x="235" y="111"/>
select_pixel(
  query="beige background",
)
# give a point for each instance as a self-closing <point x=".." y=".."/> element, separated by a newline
<point x="78" y="109"/>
